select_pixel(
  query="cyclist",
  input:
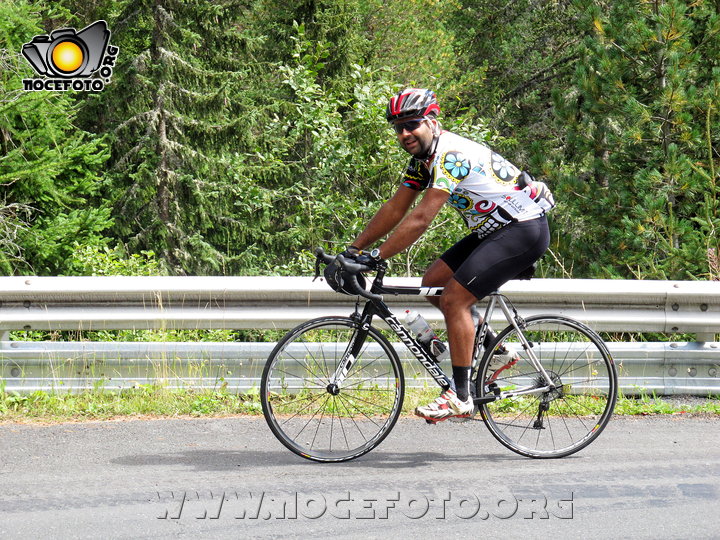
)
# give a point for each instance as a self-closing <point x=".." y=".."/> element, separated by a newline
<point x="503" y="207"/>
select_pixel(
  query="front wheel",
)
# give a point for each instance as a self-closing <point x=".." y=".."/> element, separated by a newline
<point x="543" y="420"/>
<point x="318" y="417"/>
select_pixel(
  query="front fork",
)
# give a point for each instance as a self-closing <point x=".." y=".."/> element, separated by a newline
<point x="353" y="349"/>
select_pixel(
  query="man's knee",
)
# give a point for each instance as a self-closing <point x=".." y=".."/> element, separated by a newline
<point x="456" y="297"/>
<point x="448" y="302"/>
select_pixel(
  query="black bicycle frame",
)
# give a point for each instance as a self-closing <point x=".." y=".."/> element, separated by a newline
<point x="376" y="307"/>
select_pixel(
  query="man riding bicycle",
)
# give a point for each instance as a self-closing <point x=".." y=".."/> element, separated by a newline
<point x="503" y="207"/>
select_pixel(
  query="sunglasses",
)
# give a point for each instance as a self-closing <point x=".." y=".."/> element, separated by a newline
<point x="412" y="125"/>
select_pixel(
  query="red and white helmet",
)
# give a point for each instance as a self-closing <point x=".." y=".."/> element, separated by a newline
<point x="412" y="103"/>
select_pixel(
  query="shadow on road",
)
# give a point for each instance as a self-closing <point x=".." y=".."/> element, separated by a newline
<point x="204" y="460"/>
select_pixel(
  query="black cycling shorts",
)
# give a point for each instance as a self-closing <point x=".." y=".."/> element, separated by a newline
<point x="482" y="265"/>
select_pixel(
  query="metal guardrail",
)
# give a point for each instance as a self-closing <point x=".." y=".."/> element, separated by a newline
<point x="661" y="368"/>
<point x="115" y="303"/>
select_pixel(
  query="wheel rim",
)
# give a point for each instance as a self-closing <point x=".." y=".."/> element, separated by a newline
<point x="566" y="418"/>
<point x="317" y="418"/>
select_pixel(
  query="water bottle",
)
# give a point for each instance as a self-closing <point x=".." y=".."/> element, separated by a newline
<point x="426" y="336"/>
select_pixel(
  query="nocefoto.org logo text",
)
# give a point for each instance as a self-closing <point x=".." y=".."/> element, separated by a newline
<point x="71" y="60"/>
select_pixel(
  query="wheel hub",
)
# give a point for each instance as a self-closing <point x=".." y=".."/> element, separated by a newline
<point x="555" y="393"/>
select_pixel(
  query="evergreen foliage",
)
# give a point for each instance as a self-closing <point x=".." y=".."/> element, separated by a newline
<point x="512" y="55"/>
<point x="237" y="135"/>
<point x="640" y="160"/>
<point x="175" y="115"/>
<point x="50" y="171"/>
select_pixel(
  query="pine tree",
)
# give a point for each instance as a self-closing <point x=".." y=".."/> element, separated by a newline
<point x="177" y="110"/>
<point x="641" y="157"/>
<point x="335" y="160"/>
<point x="49" y="169"/>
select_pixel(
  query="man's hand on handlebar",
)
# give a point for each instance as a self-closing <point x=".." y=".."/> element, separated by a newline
<point x="371" y="260"/>
<point x="351" y="252"/>
<point x="344" y="272"/>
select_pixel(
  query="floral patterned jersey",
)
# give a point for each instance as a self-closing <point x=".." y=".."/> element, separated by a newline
<point x="487" y="190"/>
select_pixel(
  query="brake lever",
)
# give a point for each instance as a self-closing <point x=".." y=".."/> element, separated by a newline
<point x="352" y="267"/>
<point x="355" y="269"/>
<point x="321" y="257"/>
<point x="317" y="268"/>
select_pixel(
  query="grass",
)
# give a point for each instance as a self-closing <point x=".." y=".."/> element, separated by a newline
<point x="645" y="405"/>
<point x="137" y="402"/>
<point x="156" y="401"/>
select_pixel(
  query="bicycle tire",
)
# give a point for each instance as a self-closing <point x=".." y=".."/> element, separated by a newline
<point x="298" y="403"/>
<point x="558" y="422"/>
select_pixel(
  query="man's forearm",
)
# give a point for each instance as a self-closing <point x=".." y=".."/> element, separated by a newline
<point x="415" y="224"/>
<point x="387" y="218"/>
<point x="381" y="224"/>
<point x="405" y="235"/>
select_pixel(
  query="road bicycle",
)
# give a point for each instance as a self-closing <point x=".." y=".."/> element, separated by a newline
<point x="333" y="387"/>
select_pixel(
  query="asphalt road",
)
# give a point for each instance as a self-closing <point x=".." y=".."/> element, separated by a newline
<point x="652" y="477"/>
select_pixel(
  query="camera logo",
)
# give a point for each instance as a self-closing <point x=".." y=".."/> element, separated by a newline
<point x="71" y="60"/>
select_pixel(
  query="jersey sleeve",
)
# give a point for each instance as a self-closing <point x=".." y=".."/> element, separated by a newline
<point x="416" y="176"/>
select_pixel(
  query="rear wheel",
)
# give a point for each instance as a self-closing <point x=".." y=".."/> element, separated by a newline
<point x="558" y="421"/>
<point x="318" y="419"/>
